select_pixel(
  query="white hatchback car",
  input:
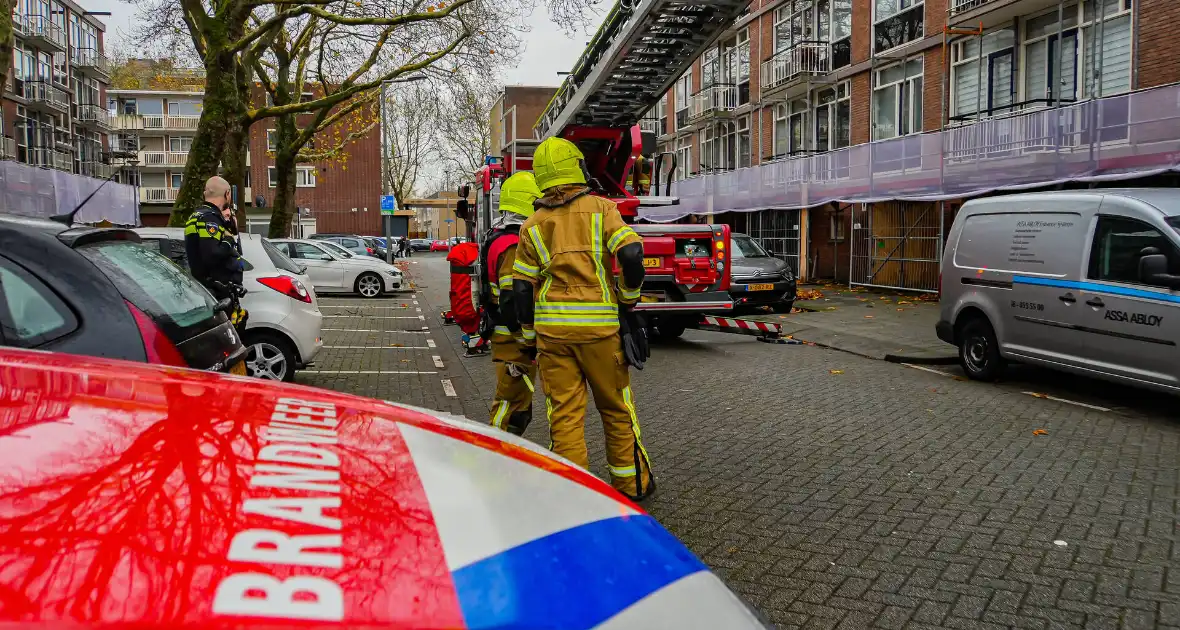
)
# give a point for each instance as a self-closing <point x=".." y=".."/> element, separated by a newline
<point x="283" y="332"/>
<point x="333" y="269"/>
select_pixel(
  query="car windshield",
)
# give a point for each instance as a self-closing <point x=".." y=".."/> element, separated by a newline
<point x="336" y="249"/>
<point x="279" y="259"/>
<point x="746" y="247"/>
<point x="153" y="284"/>
<point x="1174" y="222"/>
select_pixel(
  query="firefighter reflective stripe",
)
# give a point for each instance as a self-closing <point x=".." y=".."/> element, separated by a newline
<point x="630" y="403"/>
<point x="549" y="419"/>
<point x="505" y="283"/>
<point x="502" y="330"/>
<point x="629" y="471"/>
<point x="560" y="308"/>
<point x="589" y="320"/>
<point x="575" y="314"/>
<point x="627" y="294"/>
<point x="539" y="243"/>
<point x="596" y="253"/>
<point x="501" y="413"/>
<point x="528" y="382"/>
<point x="528" y="334"/>
<point x="617" y="238"/>
<point x="496" y="292"/>
<point x="526" y="270"/>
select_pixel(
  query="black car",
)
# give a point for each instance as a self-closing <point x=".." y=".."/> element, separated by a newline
<point x="759" y="279"/>
<point x="100" y="292"/>
<point x="420" y="244"/>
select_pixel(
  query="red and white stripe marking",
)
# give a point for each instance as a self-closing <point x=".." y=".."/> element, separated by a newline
<point x="742" y="325"/>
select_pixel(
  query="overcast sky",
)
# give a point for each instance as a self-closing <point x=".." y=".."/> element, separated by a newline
<point x="548" y="51"/>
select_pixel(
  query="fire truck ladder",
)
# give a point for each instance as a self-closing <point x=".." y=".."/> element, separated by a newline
<point x="641" y="49"/>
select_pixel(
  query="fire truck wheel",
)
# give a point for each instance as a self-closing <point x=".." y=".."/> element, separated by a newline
<point x="670" y="327"/>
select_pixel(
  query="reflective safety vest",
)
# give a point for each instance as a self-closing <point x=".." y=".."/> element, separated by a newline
<point x="568" y="248"/>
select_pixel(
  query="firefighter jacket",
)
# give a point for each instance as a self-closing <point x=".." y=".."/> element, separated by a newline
<point x="500" y="280"/>
<point x="210" y="247"/>
<point x="567" y="250"/>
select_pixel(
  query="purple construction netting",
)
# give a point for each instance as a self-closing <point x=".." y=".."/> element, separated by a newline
<point x="1113" y="138"/>
<point x="37" y="192"/>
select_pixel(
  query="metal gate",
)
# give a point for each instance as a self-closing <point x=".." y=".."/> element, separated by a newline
<point x="897" y="245"/>
<point x="776" y="230"/>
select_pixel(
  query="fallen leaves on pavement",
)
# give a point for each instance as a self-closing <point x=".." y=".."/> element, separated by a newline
<point x="1040" y="432"/>
<point x="835" y="371"/>
<point x="809" y="294"/>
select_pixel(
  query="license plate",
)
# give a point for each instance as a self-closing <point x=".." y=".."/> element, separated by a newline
<point x="759" y="287"/>
<point x="651" y="262"/>
<point x="238" y="368"/>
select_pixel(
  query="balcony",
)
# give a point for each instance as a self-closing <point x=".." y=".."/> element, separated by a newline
<point x="97" y="169"/>
<point x="7" y="148"/>
<point x="42" y="95"/>
<point x="91" y="61"/>
<point x="989" y="13"/>
<point x="714" y="100"/>
<point x="38" y="29"/>
<point x="156" y="122"/>
<point x="158" y="195"/>
<point x="789" y="66"/>
<point x="654" y="124"/>
<point x="51" y="158"/>
<point x="162" y="159"/>
<point x="94" y="116"/>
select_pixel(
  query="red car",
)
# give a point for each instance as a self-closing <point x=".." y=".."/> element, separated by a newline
<point x="153" y="497"/>
<point x="439" y="246"/>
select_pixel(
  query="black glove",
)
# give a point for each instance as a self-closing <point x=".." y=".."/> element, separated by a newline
<point x="633" y="331"/>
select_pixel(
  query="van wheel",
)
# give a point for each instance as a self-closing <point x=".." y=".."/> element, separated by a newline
<point x="670" y="327"/>
<point x="979" y="353"/>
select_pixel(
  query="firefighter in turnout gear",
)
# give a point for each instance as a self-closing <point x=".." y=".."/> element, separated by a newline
<point x="211" y="247"/>
<point x="565" y="289"/>
<point x="513" y="355"/>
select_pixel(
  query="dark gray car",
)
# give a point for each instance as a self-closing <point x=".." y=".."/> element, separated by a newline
<point x="759" y="279"/>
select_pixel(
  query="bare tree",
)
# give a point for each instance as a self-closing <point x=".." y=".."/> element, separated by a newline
<point x="410" y="139"/>
<point x="464" y="127"/>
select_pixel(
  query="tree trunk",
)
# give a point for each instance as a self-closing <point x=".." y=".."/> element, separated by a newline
<point x="6" y="39"/>
<point x="285" y="162"/>
<point x="233" y="167"/>
<point x="219" y="108"/>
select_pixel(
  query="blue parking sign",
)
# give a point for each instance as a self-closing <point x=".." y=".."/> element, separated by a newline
<point x="388" y="204"/>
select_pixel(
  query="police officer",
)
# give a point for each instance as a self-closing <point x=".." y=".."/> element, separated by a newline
<point x="512" y="408"/>
<point x="211" y="246"/>
<point x="566" y="290"/>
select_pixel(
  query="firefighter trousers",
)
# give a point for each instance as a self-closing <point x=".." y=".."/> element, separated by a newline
<point x="565" y="369"/>
<point x="512" y="408"/>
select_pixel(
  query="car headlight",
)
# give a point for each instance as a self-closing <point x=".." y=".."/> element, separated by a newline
<point x="393" y="272"/>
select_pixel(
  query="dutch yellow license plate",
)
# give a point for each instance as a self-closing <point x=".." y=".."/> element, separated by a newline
<point x="238" y="368"/>
<point x="759" y="287"/>
<point x="651" y="262"/>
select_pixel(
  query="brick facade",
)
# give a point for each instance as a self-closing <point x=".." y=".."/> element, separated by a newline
<point x="1158" y="59"/>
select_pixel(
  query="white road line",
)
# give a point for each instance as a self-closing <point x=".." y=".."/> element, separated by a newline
<point x="1068" y="402"/>
<point x="424" y="331"/>
<point x="430" y="342"/>
<point x="437" y="361"/>
<point x="365" y="372"/>
<point x="375" y="348"/>
<point x="371" y="316"/>
<point x="357" y="306"/>
<point x="448" y="388"/>
<point x="926" y="369"/>
<point x="418" y="309"/>
<point x="422" y="317"/>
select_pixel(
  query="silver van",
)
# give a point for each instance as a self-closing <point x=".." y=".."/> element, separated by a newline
<point x="1083" y="281"/>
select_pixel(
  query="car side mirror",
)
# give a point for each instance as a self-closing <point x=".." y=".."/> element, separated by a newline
<point x="1153" y="269"/>
<point x="302" y="270"/>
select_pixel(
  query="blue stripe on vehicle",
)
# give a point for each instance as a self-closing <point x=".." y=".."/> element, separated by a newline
<point x="574" y="579"/>
<point x="1095" y="287"/>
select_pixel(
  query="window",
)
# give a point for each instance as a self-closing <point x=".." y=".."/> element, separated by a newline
<point x="129" y="107"/>
<point x="182" y="144"/>
<point x="176" y="180"/>
<point x="984" y="87"/>
<point x="272" y="176"/>
<point x="150" y="107"/>
<point x="735" y="65"/>
<point x="279" y="259"/>
<point x="272" y="140"/>
<point x="683" y="156"/>
<point x="896" y="22"/>
<point x="743" y="142"/>
<point x="305" y="177"/>
<point x="30" y="313"/>
<point x="790" y="124"/>
<point x="709" y="150"/>
<point x="184" y="108"/>
<point x="836" y="226"/>
<point x="683" y="91"/>
<point x="306" y="251"/>
<point x="833" y="117"/>
<point x="1118" y="245"/>
<point x="897" y="100"/>
<point x="1078" y="52"/>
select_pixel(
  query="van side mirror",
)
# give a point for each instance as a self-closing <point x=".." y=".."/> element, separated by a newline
<point x="1153" y="270"/>
<point x="462" y="208"/>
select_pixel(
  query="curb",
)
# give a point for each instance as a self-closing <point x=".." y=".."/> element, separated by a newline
<point x="898" y="358"/>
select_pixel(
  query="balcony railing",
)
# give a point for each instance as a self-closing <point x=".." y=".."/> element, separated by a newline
<point x="43" y="29"/>
<point x="97" y="169"/>
<point x="7" y="148"/>
<point x="91" y="59"/>
<point x="40" y="92"/>
<point x="1125" y="136"/>
<point x="93" y="114"/>
<point x="720" y="97"/>
<point x="654" y="124"/>
<point x="158" y="195"/>
<point x="804" y="59"/>
<point x="51" y="158"/>
<point x="963" y="6"/>
<point x="162" y="158"/>
<point x="138" y="122"/>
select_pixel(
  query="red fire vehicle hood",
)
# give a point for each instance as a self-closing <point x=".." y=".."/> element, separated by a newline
<point x="133" y="495"/>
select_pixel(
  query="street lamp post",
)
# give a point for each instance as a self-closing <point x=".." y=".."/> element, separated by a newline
<point x="385" y="157"/>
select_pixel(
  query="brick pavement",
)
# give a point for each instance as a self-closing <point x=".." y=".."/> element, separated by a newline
<point x="880" y="495"/>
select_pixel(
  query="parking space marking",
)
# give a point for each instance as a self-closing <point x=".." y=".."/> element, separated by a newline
<point x="437" y="361"/>
<point x="365" y="372"/>
<point x="376" y="348"/>
<point x="422" y="317"/>
<point x="370" y="316"/>
<point x="448" y="388"/>
<point x="421" y="331"/>
<point x="430" y="342"/>
<point x="926" y="369"/>
<point x="1066" y="401"/>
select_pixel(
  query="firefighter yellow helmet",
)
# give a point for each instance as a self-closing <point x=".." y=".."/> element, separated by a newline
<point x="517" y="194"/>
<point x="558" y="161"/>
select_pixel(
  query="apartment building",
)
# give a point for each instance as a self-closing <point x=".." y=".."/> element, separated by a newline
<point x="158" y="126"/>
<point x="845" y="133"/>
<point x="511" y="123"/>
<point x="54" y="113"/>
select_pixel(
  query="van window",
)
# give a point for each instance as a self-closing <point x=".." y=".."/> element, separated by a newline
<point x="1118" y="243"/>
<point x="1045" y="243"/>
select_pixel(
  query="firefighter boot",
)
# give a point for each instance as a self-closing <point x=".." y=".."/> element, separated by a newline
<point x="519" y="421"/>
<point x="513" y="404"/>
<point x="565" y="369"/>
